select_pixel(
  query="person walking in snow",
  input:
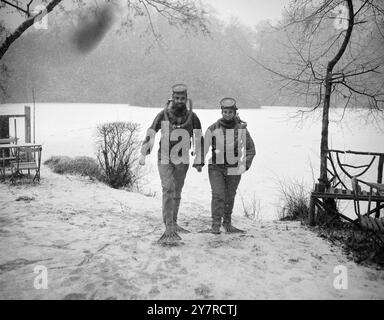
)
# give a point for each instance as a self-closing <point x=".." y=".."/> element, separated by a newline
<point x="227" y="137"/>
<point x="179" y="125"/>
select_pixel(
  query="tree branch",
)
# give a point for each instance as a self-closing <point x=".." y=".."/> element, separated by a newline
<point x="343" y="76"/>
<point x="24" y="26"/>
<point x="16" y="7"/>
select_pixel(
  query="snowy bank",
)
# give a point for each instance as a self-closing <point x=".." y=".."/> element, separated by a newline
<point x="100" y="243"/>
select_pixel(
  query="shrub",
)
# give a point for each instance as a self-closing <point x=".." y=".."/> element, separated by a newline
<point x="87" y="166"/>
<point x="58" y="164"/>
<point x="84" y="166"/>
<point x="295" y="201"/>
<point x="251" y="209"/>
<point x="118" y="147"/>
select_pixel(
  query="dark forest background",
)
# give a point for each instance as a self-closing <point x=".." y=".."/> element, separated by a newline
<point x="130" y="66"/>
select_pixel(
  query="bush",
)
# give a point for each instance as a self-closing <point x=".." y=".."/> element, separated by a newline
<point x="84" y="166"/>
<point x="58" y="164"/>
<point x="251" y="208"/>
<point x="295" y="201"/>
<point x="87" y="166"/>
<point x="118" y="148"/>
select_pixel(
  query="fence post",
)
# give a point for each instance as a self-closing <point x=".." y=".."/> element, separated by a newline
<point x="312" y="220"/>
<point x="379" y="180"/>
<point x="27" y="112"/>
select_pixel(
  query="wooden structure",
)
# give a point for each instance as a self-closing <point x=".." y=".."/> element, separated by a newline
<point x="4" y="124"/>
<point x="5" y="135"/>
<point x="373" y="225"/>
<point x="22" y="162"/>
<point x="6" y="156"/>
<point x="340" y="177"/>
<point x="18" y="157"/>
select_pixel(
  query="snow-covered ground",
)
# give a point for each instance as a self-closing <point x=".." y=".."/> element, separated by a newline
<point x="100" y="243"/>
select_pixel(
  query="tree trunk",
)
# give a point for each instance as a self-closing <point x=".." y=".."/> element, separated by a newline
<point x="324" y="129"/>
<point x="330" y="204"/>
<point x="323" y="180"/>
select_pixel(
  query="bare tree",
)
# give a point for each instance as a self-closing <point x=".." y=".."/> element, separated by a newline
<point x="118" y="147"/>
<point x="332" y="55"/>
<point x="348" y="80"/>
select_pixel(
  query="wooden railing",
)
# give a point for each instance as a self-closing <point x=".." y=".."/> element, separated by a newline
<point x="335" y="162"/>
<point x="339" y="178"/>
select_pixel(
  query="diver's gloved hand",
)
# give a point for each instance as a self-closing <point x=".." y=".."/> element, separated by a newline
<point x="142" y="160"/>
<point x="242" y="169"/>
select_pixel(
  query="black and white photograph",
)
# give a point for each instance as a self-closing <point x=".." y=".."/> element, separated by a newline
<point x="205" y="151"/>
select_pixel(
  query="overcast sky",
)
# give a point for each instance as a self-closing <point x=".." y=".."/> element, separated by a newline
<point x="249" y="12"/>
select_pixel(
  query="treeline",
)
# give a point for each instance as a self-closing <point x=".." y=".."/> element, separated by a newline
<point x="130" y="67"/>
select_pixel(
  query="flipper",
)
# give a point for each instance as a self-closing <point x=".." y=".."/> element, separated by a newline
<point x="229" y="228"/>
<point x="181" y="229"/>
<point x="169" y="237"/>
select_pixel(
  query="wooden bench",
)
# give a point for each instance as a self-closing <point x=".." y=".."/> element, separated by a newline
<point x="340" y="178"/>
<point x="20" y="164"/>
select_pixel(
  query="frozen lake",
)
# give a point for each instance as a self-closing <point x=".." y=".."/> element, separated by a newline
<point x="287" y="148"/>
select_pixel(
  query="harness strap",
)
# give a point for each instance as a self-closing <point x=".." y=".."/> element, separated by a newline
<point x="187" y="121"/>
